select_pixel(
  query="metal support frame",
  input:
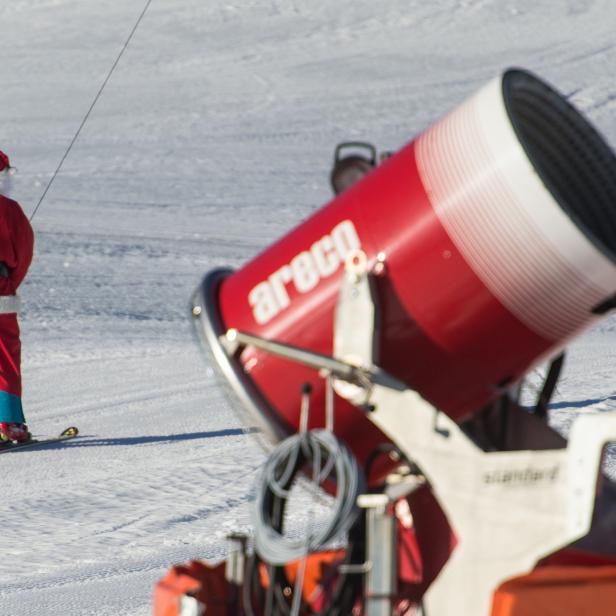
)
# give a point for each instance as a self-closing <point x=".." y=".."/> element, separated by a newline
<point x="236" y="560"/>
<point x="235" y="568"/>
<point x="381" y="555"/>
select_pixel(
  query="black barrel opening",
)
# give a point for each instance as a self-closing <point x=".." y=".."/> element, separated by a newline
<point x="572" y="159"/>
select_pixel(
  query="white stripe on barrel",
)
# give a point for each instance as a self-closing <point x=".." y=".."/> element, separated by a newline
<point x="505" y="222"/>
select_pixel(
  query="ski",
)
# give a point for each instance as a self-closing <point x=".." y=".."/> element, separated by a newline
<point x="67" y="434"/>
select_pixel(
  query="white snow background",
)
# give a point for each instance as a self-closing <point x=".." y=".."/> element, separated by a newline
<point x="213" y="137"/>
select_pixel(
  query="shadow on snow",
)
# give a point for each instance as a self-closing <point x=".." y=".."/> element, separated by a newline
<point x="579" y="404"/>
<point x="88" y="441"/>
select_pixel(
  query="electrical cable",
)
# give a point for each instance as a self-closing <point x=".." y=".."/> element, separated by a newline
<point x="329" y="459"/>
<point x="87" y="116"/>
<point x="343" y="588"/>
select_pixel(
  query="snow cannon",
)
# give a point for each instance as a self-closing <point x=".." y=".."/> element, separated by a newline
<point x="490" y="240"/>
<point x="402" y="318"/>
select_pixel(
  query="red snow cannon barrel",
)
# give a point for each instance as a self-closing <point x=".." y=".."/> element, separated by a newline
<point x="497" y="227"/>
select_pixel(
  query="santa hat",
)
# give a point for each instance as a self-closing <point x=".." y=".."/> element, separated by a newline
<point x="4" y="161"/>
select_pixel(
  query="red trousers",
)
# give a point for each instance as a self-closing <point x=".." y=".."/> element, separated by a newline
<point x="10" y="355"/>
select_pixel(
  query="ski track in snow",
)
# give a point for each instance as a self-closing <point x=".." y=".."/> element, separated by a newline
<point x="213" y="137"/>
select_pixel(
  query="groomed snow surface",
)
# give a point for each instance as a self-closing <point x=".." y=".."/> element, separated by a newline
<point x="213" y="137"/>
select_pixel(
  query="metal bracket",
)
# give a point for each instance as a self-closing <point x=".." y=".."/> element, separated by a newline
<point x="354" y="326"/>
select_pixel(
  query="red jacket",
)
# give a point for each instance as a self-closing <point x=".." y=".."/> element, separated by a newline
<point x="16" y="244"/>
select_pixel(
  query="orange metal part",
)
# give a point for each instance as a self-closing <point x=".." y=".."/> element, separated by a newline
<point x="205" y="583"/>
<point x="558" y="591"/>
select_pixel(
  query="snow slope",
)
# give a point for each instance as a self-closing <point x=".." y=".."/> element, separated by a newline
<point x="212" y="138"/>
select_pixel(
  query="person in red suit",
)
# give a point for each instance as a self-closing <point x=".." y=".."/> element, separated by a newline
<point x="16" y="247"/>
